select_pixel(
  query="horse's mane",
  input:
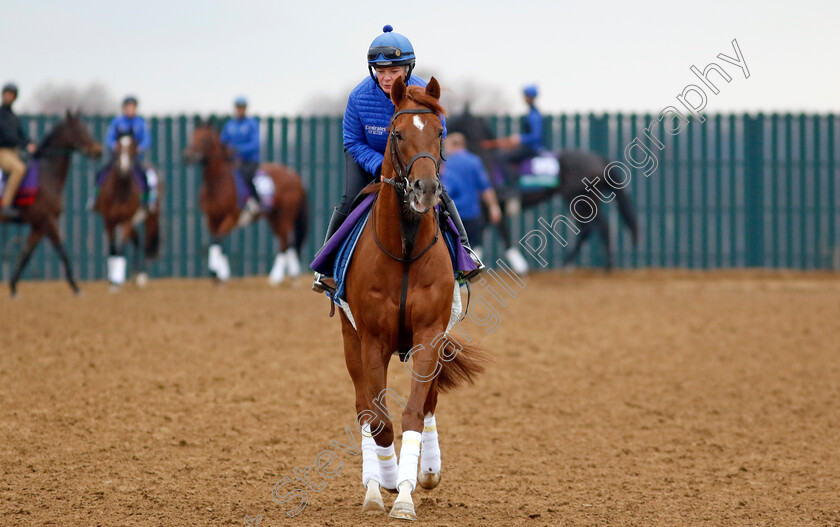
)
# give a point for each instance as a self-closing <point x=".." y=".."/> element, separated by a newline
<point x="45" y="142"/>
<point x="419" y="95"/>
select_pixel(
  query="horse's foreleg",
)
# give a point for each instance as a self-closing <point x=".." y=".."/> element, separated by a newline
<point x="430" y="463"/>
<point x="217" y="261"/>
<point x="116" y="255"/>
<point x="55" y="239"/>
<point x="32" y="240"/>
<point x="423" y="369"/>
<point x="368" y="420"/>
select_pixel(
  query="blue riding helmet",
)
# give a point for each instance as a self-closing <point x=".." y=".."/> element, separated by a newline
<point x="240" y="101"/>
<point x="10" y="86"/>
<point x="390" y="49"/>
<point x="530" y="91"/>
<point x="129" y="99"/>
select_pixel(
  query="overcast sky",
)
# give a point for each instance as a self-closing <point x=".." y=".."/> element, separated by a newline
<point x="195" y="56"/>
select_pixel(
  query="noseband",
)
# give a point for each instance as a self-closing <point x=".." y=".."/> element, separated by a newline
<point x="402" y="168"/>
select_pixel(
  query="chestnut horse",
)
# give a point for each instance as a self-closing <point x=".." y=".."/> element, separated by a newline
<point x="400" y="287"/>
<point x="288" y="215"/>
<point x="53" y="156"/>
<point x="119" y="205"/>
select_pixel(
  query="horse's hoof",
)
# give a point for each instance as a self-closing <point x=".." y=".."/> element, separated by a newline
<point x="403" y="511"/>
<point x="141" y="280"/>
<point x="429" y="480"/>
<point x="374" y="506"/>
<point x="77" y="292"/>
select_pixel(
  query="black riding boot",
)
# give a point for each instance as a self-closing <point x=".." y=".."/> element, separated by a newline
<point x="452" y="211"/>
<point x="336" y="220"/>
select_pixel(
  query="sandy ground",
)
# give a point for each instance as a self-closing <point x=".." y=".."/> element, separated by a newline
<point x="646" y="398"/>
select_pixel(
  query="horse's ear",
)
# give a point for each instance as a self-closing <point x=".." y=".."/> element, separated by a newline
<point x="433" y="88"/>
<point x="398" y="91"/>
<point x="69" y="113"/>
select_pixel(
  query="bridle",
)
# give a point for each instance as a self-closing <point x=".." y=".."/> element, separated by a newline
<point x="408" y="233"/>
<point x="400" y="184"/>
<point x="402" y="168"/>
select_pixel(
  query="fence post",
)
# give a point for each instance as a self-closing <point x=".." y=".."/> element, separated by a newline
<point x="754" y="190"/>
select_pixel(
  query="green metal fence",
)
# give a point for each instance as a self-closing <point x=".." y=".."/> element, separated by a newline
<point x="733" y="191"/>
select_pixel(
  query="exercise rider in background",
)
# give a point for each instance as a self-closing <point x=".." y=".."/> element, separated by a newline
<point x="522" y="146"/>
<point x="366" y="127"/>
<point x="12" y="137"/>
<point x="129" y="123"/>
<point x="242" y="135"/>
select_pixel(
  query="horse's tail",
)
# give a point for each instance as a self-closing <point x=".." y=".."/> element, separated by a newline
<point x="152" y="228"/>
<point x="627" y="212"/>
<point x="468" y="362"/>
<point x="302" y="222"/>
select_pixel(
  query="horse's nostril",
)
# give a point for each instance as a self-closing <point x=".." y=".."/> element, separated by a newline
<point x="418" y="185"/>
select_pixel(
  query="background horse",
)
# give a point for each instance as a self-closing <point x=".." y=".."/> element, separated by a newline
<point x="575" y="166"/>
<point x="53" y="158"/>
<point x="400" y="286"/>
<point x="119" y="205"/>
<point x="288" y="215"/>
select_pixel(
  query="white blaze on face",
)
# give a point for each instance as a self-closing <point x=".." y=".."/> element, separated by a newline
<point x="418" y="122"/>
<point x="125" y="159"/>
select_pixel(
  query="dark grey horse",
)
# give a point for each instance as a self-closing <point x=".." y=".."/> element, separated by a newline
<point x="575" y="166"/>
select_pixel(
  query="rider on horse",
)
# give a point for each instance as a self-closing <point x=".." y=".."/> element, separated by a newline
<point x="526" y="144"/>
<point x="12" y="137"/>
<point x="129" y="123"/>
<point x="242" y="135"/>
<point x="366" y="123"/>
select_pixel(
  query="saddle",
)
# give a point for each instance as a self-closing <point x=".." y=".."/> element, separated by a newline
<point x="334" y="259"/>
<point x="28" y="189"/>
<point x="539" y="172"/>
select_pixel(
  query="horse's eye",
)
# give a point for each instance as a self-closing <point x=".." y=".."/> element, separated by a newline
<point x="397" y="135"/>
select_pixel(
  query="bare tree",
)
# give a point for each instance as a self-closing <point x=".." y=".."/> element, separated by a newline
<point x="483" y="98"/>
<point x="52" y="98"/>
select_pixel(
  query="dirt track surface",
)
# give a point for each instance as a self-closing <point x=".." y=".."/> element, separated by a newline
<point x="650" y="398"/>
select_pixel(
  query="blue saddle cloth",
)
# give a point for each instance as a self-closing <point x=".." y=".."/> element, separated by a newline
<point x="335" y="257"/>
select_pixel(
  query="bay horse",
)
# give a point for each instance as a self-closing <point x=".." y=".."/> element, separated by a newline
<point x="400" y="287"/>
<point x="288" y="215"/>
<point x="53" y="156"/>
<point x="119" y="204"/>
<point x="575" y="166"/>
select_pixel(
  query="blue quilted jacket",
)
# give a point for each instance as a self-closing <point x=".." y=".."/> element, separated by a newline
<point x="366" y="122"/>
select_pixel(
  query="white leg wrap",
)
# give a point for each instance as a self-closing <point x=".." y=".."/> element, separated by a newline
<point x="218" y="262"/>
<point x="517" y="261"/>
<point x="409" y="456"/>
<point x="214" y="256"/>
<point x="278" y="270"/>
<point x="370" y="464"/>
<point x="430" y="455"/>
<point x="293" y="262"/>
<point x="116" y="269"/>
<point x="388" y="467"/>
